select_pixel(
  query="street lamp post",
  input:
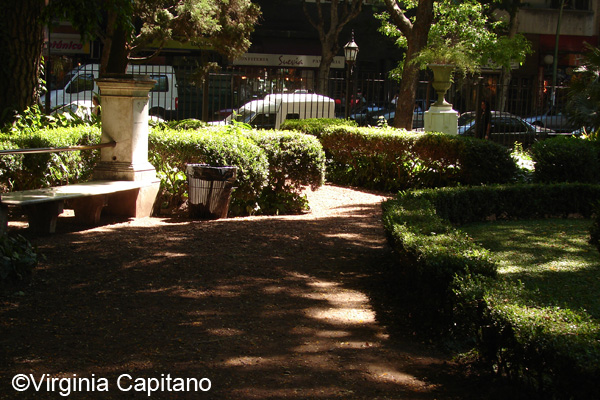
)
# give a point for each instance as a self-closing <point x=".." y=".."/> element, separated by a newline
<point x="350" y="53"/>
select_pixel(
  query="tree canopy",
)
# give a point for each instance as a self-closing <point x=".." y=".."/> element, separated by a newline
<point x="127" y="26"/>
<point x="123" y="26"/>
<point x="463" y="33"/>
<point x="329" y="25"/>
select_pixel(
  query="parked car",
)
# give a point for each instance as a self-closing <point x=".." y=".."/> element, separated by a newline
<point x="388" y="116"/>
<point x="274" y="109"/>
<point x="364" y="114"/>
<point x="553" y="119"/>
<point x="508" y="129"/>
<point x="81" y="85"/>
<point x="80" y="109"/>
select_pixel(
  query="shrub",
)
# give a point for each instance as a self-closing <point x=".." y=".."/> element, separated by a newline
<point x="171" y="150"/>
<point x="181" y="125"/>
<point x="31" y="171"/>
<point x="566" y="159"/>
<point x="485" y="162"/>
<point x="33" y="119"/>
<point x="392" y="159"/>
<point x="432" y="254"/>
<point x="295" y="160"/>
<point x="461" y="205"/>
<point x="314" y="126"/>
<point x="17" y="259"/>
<point x="553" y="351"/>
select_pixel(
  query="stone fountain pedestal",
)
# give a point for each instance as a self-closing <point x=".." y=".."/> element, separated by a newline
<point x="124" y="101"/>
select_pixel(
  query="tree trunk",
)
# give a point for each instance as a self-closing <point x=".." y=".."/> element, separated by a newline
<point x="417" y="40"/>
<point x="118" y="57"/>
<point x="21" y="45"/>
<point x="324" y="68"/>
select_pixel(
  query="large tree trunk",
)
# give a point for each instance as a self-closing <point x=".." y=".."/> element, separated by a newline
<point x="21" y="45"/>
<point x="115" y="56"/>
<point x="417" y="40"/>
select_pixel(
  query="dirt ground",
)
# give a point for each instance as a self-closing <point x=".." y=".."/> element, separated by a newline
<point x="282" y="307"/>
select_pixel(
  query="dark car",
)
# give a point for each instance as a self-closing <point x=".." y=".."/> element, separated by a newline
<point x="508" y="129"/>
<point x="388" y="116"/>
<point x="363" y="115"/>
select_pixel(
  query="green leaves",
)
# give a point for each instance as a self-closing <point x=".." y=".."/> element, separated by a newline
<point x="17" y="258"/>
<point x="463" y="33"/>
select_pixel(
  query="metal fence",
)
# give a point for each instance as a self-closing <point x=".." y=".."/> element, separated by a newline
<point x="185" y="92"/>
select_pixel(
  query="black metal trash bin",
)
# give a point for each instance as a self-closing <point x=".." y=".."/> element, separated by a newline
<point x="209" y="190"/>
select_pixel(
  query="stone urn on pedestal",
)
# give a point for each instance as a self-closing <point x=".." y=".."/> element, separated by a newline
<point x="442" y="80"/>
<point x="441" y="117"/>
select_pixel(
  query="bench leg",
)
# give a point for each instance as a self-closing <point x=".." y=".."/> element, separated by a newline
<point x="42" y="217"/>
<point x="137" y="203"/>
<point x="88" y="209"/>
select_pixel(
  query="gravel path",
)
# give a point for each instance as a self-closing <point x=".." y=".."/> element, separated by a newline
<point x="282" y="307"/>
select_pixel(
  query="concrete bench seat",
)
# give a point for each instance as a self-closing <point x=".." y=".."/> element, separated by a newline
<point x="42" y="206"/>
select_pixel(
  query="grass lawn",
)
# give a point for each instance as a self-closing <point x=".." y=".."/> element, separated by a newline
<point x="551" y="257"/>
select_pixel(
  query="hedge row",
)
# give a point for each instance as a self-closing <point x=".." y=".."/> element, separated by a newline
<point x="517" y="201"/>
<point x="392" y="159"/>
<point x="566" y="159"/>
<point x="272" y="166"/>
<point x="553" y="350"/>
<point x="315" y="126"/>
<point x="28" y="171"/>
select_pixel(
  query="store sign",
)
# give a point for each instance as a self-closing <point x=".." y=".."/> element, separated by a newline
<point x="67" y="44"/>
<point x="285" y="60"/>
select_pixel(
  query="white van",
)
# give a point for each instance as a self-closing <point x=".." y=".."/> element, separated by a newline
<point x="80" y="85"/>
<point x="274" y="109"/>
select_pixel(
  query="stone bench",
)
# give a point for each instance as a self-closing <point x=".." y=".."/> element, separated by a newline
<point x="42" y="206"/>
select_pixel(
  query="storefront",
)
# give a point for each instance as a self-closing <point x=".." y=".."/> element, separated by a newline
<point x="281" y="73"/>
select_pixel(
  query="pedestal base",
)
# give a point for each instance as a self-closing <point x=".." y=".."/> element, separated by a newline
<point x="441" y="119"/>
<point x="123" y="171"/>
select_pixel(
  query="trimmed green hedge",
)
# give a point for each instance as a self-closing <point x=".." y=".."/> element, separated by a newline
<point x="392" y="159"/>
<point x="432" y="253"/>
<point x="170" y="151"/>
<point x="464" y="205"/>
<point x="566" y="159"/>
<point x="21" y="172"/>
<point x="295" y="160"/>
<point x="272" y="166"/>
<point x="452" y="281"/>
<point x="314" y="126"/>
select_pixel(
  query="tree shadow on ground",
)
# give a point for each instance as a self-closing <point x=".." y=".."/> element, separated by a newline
<point x="266" y="308"/>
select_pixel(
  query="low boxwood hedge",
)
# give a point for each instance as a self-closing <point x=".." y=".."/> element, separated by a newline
<point x="554" y="351"/>
<point x="314" y="126"/>
<point x="566" y="159"/>
<point x="170" y="150"/>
